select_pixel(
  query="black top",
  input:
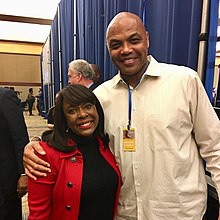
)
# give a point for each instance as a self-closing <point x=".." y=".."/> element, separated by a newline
<point x="13" y="138"/>
<point x="99" y="184"/>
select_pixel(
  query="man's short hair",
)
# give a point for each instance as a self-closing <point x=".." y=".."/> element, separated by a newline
<point x="83" y="67"/>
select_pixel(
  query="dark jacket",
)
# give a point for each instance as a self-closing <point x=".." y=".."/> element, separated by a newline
<point x="13" y="138"/>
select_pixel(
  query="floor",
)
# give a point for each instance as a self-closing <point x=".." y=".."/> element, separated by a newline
<point x="36" y="125"/>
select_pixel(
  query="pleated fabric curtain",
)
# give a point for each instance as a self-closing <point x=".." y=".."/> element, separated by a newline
<point x="174" y="28"/>
<point x="66" y="10"/>
<point x="211" y="50"/>
<point x="46" y="72"/>
<point x="80" y="29"/>
<point x="55" y="56"/>
<point x="90" y="32"/>
<point x="41" y="77"/>
<point x="50" y="84"/>
<point x="98" y="34"/>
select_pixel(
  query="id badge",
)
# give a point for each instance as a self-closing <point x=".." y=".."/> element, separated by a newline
<point x="129" y="139"/>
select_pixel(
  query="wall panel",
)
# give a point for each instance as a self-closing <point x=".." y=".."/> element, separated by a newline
<point x="21" y="72"/>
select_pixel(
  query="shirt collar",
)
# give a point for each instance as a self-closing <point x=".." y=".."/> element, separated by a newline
<point x="90" y="84"/>
<point x="152" y="70"/>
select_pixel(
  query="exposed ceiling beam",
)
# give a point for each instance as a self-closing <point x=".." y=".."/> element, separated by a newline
<point x="19" y="41"/>
<point x="19" y="47"/>
<point x="22" y="19"/>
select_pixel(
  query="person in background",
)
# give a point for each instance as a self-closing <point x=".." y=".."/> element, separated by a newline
<point x="85" y="181"/>
<point x="81" y="72"/>
<point x="30" y="101"/>
<point x="97" y="78"/>
<point x="13" y="138"/>
<point x="40" y="101"/>
<point x="171" y="124"/>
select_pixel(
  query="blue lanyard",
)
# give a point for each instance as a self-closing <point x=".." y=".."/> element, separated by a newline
<point x="130" y="104"/>
<point x="129" y="107"/>
<point x="130" y="101"/>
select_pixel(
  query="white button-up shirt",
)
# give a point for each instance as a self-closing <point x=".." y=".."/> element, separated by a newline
<point x="175" y="126"/>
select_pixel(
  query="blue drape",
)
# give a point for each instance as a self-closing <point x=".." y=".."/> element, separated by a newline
<point x="55" y="55"/>
<point x="174" y="28"/>
<point x="42" y="85"/>
<point x="46" y="72"/>
<point x="80" y="36"/>
<point x="50" y="87"/>
<point x="66" y="9"/>
<point x="178" y="21"/>
<point x="90" y="34"/>
<point x="46" y="97"/>
<point x="213" y="25"/>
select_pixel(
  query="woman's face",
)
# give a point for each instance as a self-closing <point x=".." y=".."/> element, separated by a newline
<point x="82" y="119"/>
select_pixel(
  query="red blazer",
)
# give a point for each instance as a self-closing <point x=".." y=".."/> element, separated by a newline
<point x="51" y="197"/>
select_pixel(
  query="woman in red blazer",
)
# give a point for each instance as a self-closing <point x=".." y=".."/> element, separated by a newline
<point x="84" y="182"/>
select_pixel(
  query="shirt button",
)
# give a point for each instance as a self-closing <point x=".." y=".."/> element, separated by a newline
<point x="69" y="184"/>
<point x="139" y="200"/>
<point x="73" y="159"/>
<point x="68" y="207"/>
<point x="137" y="184"/>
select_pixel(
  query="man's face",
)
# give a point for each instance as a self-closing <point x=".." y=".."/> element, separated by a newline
<point x="128" y="45"/>
<point x="72" y="77"/>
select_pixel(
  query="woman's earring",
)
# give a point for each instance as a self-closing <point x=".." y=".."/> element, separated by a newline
<point x="67" y="130"/>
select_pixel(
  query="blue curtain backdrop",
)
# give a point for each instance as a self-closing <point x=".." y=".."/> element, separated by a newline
<point x="66" y="9"/>
<point x="213" y="25"/>
<point x="46" y="72"/>
<point x="80" y="37"/>
<point x="41" y="71"/>
<point x="90" y="32"/>
<point x="174" y="28"/>
<point x="55" y="55"/>
<point x="51" y="75"/>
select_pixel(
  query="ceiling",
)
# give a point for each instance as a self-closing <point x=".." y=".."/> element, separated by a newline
<point x="26" y="20"/>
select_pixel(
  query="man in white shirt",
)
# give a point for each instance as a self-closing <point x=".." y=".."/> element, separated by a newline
<point x="161" y="124"/>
